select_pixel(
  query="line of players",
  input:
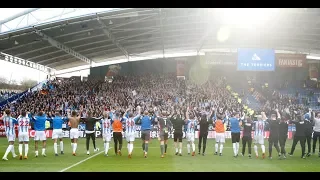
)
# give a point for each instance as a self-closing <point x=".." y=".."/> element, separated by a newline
<point x="23" y="122"/>
<point x="278" y="131"/>
<point x="112" y="123"/>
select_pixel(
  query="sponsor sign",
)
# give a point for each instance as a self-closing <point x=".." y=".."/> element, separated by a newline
<point x="19" y="61"/>
<point x="256" y="60"/>
<point x="220" y="59"/>
<point x="291" y="60"/>
<point x="153" y="134"/>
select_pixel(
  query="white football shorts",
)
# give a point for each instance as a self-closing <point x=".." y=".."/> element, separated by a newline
<point x="11" y="137"/>
<point x="130" y="137"/>
<point x="259" y="139"/>
<point x="57" y="134"/>
<point x="23" y="137"/>
<point x="220" y="138"/>
<point x="40" y="136"/>
<point x="190" y="137"/>
<point x="74" y="133"/>
<point x="106" y="137"/>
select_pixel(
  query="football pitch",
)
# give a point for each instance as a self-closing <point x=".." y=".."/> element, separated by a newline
<point x="97" y="162"/>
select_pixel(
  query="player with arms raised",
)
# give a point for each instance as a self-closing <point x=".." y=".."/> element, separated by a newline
<point x="220" y="133"/>
<point x="259" y="129"/>
<point x="9" y="123"/>
<point x="131" y="130"/>
<point x="191" y="125"/>
<point x="235" y="125"/>
<point x="40" y="135"/>
<point x="23" y="126"/>
<point x="273" y="124"/>
<point x="74" y="131"/>
<point x="57" y="132"/>
<point x="178" y="123"/>
<point x="146" y="120"/>
<point x="164" y="125"/>
<point x="106" y="132"/>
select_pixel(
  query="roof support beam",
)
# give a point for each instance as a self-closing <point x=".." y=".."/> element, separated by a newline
<point x="51" y="59"/>
<point x="112" y="37"/>
<point x="137" y="35"/>
<point x="18" y="15"/>
<point x="208" y="32"/>
<point x="161" y="31"/>
<point x="63" y="47"/>
<point x="131" y="22"/>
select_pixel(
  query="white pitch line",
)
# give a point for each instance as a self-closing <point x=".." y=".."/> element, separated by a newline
<point x="76" y="164"/>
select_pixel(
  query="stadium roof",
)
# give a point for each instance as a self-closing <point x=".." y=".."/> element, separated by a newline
<point x="64" y="40"/>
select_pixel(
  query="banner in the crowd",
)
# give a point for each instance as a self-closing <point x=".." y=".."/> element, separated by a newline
<point x="20" y="95"/>
<point x="220" y="59"/>
<point x="113" y="70"/>
<point x="291" y="60"/>
<point x="256" y="60"/>
<point x="181" y="67"/>
<point x="313" y="71"/>
<point x="44" y="91"/>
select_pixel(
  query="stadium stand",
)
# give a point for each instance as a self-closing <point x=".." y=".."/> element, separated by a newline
<point x="226" y="88"/>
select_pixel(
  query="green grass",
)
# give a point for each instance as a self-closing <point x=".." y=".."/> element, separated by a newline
<point x="185" y="163"/>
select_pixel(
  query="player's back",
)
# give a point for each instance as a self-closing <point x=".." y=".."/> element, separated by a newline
<point x="40" y="123"/>
<point x="146" y="123"/>
<point x="274" y="127"/>
<point x="74" y="122"/>
<point x="177" y="123"/>
<point x="57" y="122"/>
<point x="234" y="125"/>
<point x="259" y="128"/>
<point x="130" y="125"/>
<point x="23" y="124"/>
<point x="9" y="123"/>
<point x="106" y="126"/>
<point x="283" y="129"/>
<point x="191" y="126"/>
<point x="219" y="126"/>
<point x="162" y="123"/>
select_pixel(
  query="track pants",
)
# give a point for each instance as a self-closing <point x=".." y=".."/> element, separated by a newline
<point x="88" y="137"/>
<point x="302" y="140"/>
<point x="202" y="138"/>
<point x="282" y="142"/>
<point x="246" y="140"/>
<point x="117" y="138"/>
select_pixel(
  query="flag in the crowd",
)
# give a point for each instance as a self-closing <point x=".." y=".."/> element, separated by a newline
<point x="44" y="92"/>
<point x="134" y="93"/>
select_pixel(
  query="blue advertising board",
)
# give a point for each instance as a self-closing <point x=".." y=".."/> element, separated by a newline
<point x="256" y="59"/>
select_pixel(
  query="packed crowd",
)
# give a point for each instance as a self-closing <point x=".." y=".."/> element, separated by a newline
<point x="162" y="91"/>
<point x="7" y="94"/>
<point x="150" y="92"/>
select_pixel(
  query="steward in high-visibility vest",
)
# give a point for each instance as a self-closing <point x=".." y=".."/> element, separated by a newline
<point x="47" y="125"/>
